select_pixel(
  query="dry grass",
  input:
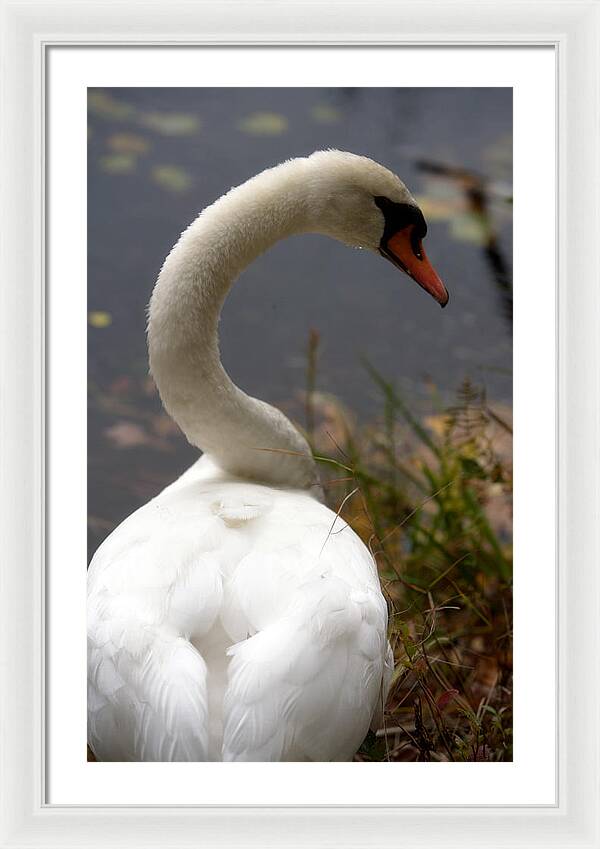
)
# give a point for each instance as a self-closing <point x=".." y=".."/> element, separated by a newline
<point x="431" y="495"/>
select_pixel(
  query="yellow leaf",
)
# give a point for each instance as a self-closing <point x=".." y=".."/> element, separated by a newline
<point x="127" y="143"/>
<point x="171" y="123"/>
<point x="118" y="163"/>
<point x="171" y="177"/>
<point x="104" y="105"/>
<point x="264" y="124"/>
<point x="323" y="113"/>
<point x="99" y="319"/>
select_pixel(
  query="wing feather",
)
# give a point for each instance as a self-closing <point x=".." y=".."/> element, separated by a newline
<point x="306" y="686"/>
<point x="150" y="592"/>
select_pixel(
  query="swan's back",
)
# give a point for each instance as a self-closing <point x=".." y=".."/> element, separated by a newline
<point x="230" y="621"/>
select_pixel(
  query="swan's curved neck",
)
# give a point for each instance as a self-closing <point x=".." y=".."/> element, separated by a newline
<point x="246" y="437"/>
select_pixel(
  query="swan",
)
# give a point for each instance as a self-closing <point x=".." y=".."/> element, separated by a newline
<point x="225" y="621"/>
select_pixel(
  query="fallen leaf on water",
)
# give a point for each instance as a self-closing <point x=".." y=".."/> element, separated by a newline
<point x="99" y="318"/>
<point x="171" y="177"/>
<point x="323" y="113"/>
<point x="127" y="143"/>
<point x="264" y="124"/>
<point x="104" y="105"/>
<point x="127" y="434"/>
<point x="171" y="123"/>
<point x="118" y="163"/>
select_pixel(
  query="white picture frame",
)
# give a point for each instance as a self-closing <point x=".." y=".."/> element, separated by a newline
<point x="28" y="30"/>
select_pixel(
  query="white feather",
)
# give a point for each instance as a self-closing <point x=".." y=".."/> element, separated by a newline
<point x="301" y="631"/>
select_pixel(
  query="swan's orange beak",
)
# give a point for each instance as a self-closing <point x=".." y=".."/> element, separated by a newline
<point x="407" y="253"/>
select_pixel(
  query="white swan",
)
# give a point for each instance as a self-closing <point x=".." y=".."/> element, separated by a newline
<point x="225" y="621"/>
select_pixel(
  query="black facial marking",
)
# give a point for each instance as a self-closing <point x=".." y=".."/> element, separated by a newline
<point x="397" y="216"/>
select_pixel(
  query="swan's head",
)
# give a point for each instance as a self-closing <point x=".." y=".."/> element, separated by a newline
<point x="359" y="202"/>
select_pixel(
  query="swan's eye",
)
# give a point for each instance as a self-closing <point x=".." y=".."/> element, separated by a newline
<point x="415" y="243"/>
<point x="401" y="216"/>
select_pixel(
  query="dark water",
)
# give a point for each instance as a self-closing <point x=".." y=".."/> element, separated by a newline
<point x="158" y="156"/>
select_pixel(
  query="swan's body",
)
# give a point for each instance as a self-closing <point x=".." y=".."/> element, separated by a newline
<point x="231" y="635"/>
<point x="226" y="620"/>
